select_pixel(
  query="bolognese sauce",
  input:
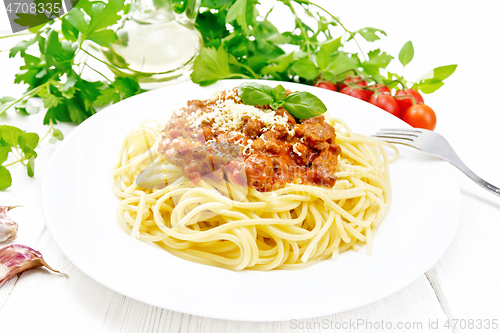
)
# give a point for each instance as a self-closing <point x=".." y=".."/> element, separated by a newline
<point x="272" y="146"/>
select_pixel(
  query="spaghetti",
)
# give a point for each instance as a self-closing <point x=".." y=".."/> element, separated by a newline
<point x="242" y="227"/>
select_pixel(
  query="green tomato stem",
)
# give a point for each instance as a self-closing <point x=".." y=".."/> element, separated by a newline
<point x="413" y="101"/>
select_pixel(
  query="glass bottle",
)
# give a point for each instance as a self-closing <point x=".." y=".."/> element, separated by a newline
<point x="155" y="44"/>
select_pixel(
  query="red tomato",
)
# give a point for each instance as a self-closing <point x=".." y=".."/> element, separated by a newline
<point x="378" y="87"/>
<point x="387" y="102"/>
<point x="405" y="102"/>
<point x="382" y="88"/>
<point x="420" y="116"/>
<point x="326" y="85"/>
<point x="358" y="93"/>
<point x="355" y="79"/>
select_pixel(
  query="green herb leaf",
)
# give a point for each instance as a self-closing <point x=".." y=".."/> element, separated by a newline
<point x="253" y="93"/>
<point x="376" y="61"/>
<point x="5" y="178"/>
<point x="304" y="105"/>
<point x="76" y="18"/>
<point x="279" y="92"/>
<point x="342" y="62"/>
<point x="26" y="108"/>
<point x="279" y="67"/>
<point x="444" y="72"/>
<point x="28" y="142"/>
<point x="406" y="53"/>
<point x="120" y="89"/>
<point x="103" y="37"/>
<point x="57" y="135"/>
<point x="4" y="153"/>
<point x="22" y="46"/>
<point x="211" y="65"/>
<point x="10" y="134"/>
<point x="5" y="102"/>
<point x="103" y="15"/>
<point x="369" y="34"/>
<point x="31" y="166"/>
<point x="238" y="12"/>
<point x="49" y="100"/>
<point x="430" y="86"/>
<point x="325" y="53"/>
<point x="305" y="68"/>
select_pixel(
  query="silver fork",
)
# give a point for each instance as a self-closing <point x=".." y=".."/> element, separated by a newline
<point x="434" y="144"/>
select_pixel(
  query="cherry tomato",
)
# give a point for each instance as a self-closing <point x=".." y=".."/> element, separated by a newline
<point x="387" y="102"/>
<point x="326" y="85"/>
<point x="405" y="102"/>
<point x="420" y="116"/>
<point x="355" y="79"/>
<point x="354" y="92"/>
<point x="378" y="87"/>
<point x="382" y="88"/>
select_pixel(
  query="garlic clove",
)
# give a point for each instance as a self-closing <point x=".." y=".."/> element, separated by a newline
<point x="8" y="227"/>
<point x="18" y="258"/>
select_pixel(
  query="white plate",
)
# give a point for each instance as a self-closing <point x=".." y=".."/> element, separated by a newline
<point x="79" y="208"/>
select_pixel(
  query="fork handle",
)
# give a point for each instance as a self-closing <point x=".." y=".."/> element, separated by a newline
<point x="462" y="167"/>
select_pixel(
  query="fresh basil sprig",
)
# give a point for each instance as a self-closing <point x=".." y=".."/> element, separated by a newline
<point x="300" y="104"/>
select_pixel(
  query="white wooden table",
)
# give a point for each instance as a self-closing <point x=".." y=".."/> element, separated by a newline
<point x="463" y="285"/>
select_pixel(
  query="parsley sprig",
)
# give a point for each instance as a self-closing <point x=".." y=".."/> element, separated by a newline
<point x="54" y="71"/>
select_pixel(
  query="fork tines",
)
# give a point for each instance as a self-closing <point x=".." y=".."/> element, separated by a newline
<point x="398" y="135"/>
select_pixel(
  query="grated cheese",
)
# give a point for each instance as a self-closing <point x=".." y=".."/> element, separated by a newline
<point x="295" y="150"/>
<point x="228" y="116"/>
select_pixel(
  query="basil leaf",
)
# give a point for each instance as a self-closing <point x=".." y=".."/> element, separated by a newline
<point x="253" y="93"/>
<point x="275" y="105"/>
<point x="443" y="72"/>
<point x="5" y="178"/>
<point x="304" y="105"/>
<point x="406" y="53"/>
<point x="279" y="93"/>
<point x="430" y="86"/>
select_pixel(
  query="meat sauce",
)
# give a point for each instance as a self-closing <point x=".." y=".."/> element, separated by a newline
<point x="294" y="151"/>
